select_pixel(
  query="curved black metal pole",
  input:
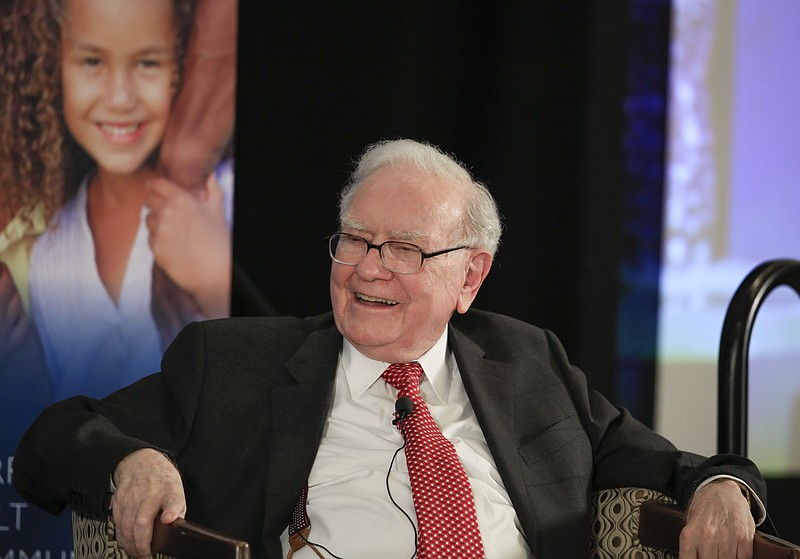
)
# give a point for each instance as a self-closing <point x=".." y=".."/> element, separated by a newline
<point x="734" y="348"/>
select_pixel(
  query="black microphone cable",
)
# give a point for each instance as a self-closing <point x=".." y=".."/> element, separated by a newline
<point x="403" y="407"/>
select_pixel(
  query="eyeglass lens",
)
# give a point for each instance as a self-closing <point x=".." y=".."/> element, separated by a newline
<point x="397" y="256"/>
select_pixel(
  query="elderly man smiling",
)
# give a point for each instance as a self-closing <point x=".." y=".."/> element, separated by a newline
<point x="252" y="420"/>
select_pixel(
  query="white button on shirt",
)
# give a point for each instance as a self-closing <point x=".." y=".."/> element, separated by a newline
<point x="348" y="504"/>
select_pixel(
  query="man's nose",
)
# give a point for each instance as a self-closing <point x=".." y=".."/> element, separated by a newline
<point x="372" y="264"/>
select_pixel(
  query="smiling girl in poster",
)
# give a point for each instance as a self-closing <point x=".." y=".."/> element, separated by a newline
<point x="116" y="67"/>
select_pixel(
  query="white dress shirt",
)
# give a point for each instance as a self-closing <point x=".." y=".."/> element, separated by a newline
<point x="349" y="507"/>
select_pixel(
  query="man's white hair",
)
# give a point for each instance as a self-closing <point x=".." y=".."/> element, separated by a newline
<point x="482" y="227"/>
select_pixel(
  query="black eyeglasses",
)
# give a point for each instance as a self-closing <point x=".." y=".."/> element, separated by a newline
<point x="398" y="256"/>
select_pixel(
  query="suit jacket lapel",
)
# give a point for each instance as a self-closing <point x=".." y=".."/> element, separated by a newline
<point x="491" y="388"/>
<point x="298" y="413"/>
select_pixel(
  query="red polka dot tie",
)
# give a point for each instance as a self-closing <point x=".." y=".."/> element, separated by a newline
<point x="448" y="526"/>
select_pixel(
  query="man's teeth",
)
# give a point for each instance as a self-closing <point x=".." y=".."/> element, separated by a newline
<point x="369" y="299"/>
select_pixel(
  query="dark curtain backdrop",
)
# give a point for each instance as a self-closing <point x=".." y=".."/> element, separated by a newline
<point x="530" y="95"/>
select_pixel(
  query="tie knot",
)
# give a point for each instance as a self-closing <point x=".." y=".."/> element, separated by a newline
<point x="403" y="376"/>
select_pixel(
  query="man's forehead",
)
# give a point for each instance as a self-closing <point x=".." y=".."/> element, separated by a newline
<point x="405" y="203"/>
<point x="410" y="235"/>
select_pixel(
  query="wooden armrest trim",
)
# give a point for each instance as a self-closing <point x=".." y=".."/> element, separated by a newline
<point x="660" y="526"/>
<point x="186" y="539"/>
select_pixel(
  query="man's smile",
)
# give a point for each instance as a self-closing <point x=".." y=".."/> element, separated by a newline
<point x="368" y="299"/>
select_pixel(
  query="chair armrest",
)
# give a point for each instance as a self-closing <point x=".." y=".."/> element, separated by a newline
<point x="183" y="538"/>
<point x="660" y="526"/>
<point x="95" y="537"/>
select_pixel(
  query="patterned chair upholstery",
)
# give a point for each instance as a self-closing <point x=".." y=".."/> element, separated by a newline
<point x="614" y="529"/>
<point x="615" y="524"/>
<point x="94" y="539"/>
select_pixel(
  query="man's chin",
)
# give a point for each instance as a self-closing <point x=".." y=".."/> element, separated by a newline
<point x="381" y="348"/>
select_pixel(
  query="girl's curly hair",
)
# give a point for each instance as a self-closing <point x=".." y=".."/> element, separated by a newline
<point x="39" y="159"/>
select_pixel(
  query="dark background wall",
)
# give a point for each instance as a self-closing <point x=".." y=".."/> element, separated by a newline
<point x="530" y="95"/>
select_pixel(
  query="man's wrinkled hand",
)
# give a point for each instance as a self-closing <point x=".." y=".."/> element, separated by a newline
<point x="718" y="523"/>
<point x="148" y="486"/>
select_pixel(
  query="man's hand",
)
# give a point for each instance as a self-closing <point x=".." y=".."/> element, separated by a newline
<point x="148" y="487"/>
<point x="718" y="523"/>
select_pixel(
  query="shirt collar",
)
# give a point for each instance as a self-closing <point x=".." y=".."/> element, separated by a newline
<point x="362" y="372"/>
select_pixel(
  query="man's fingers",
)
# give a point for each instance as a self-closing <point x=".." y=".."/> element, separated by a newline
<point x="148" y="486"/>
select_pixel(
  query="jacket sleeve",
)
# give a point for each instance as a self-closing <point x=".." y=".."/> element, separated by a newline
<point x="627" y="453"/>
<point x="69" y="453"/>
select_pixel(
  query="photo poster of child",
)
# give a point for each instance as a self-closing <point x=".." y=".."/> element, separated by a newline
<point x="116" y="202"/>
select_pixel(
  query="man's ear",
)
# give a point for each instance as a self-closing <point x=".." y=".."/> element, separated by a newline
<point x="479" y="265"/>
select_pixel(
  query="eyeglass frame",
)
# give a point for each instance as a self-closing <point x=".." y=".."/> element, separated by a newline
<point x="423" y="255"/>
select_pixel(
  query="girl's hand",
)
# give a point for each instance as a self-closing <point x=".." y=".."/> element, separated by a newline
<point x="191" y="241"/>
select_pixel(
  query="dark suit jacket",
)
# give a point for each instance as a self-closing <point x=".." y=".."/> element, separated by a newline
<point x="241" y="405"/>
